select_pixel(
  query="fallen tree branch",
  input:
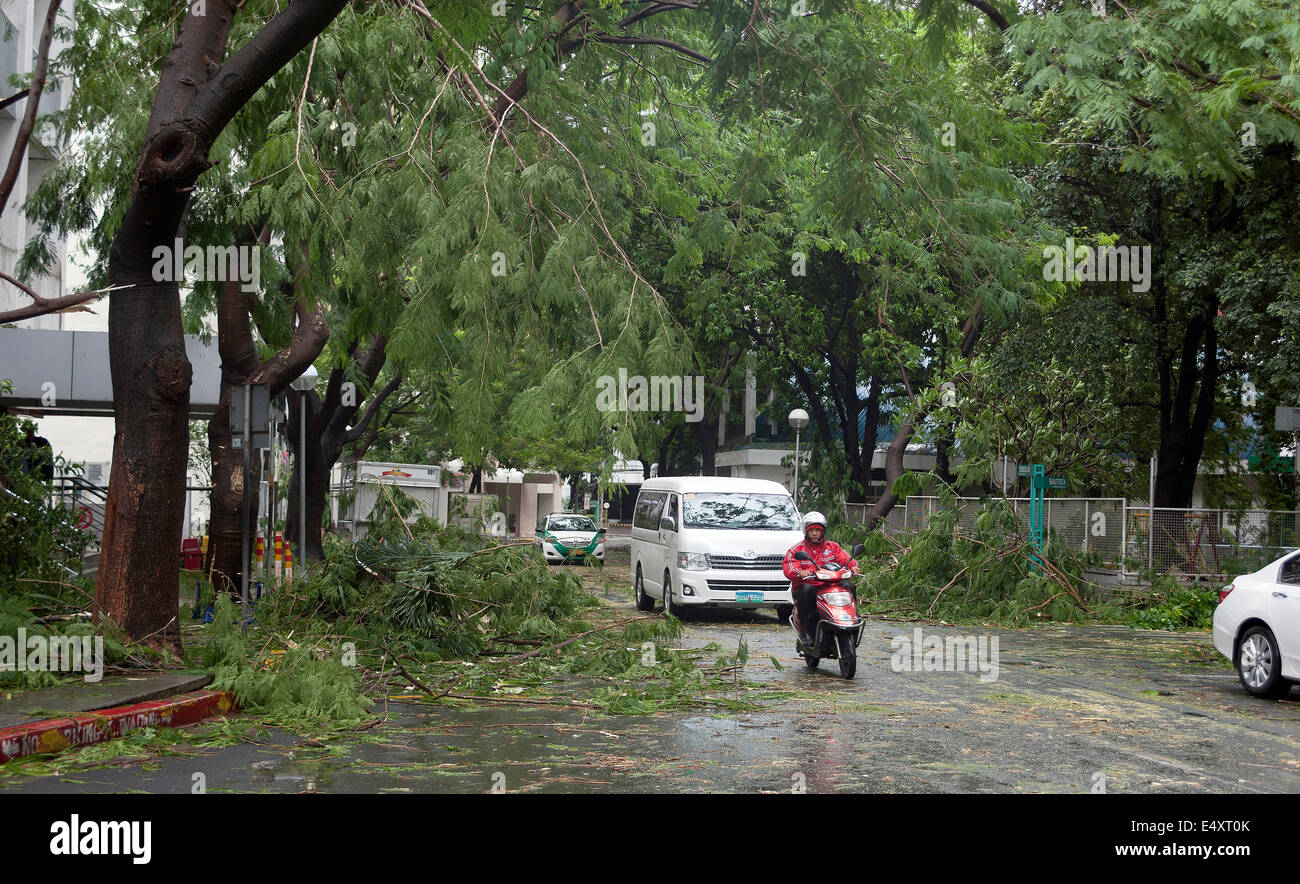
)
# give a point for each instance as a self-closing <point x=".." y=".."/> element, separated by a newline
<point x="574" y="638"/>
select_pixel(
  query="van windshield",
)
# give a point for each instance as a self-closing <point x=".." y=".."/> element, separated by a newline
<point x="773" y="512"/>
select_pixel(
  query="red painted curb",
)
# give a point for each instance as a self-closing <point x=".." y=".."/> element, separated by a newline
<point x="57" y="734"/>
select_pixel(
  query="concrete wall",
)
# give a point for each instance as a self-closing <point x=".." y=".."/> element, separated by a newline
<point x="16" y="57"/>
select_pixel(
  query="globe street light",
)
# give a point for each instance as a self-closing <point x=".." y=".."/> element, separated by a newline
<point x="798" y="419"/>
<point x="304" y="382"/>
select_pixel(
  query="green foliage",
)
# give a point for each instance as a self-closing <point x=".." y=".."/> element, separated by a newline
<point x="1171" y="605"/>
<point x="38" y="542"/>
<point x="26" y="611"/>
<point x="978" y="573"/>
<point x="299" y="683"/>
<point x="1184" y="77"/>
<point x="1033" y="408"/>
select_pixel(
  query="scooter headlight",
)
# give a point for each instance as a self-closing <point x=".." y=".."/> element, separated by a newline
<point x="837" y="598"/>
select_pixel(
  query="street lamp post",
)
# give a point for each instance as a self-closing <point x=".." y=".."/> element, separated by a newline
<point x="798" y="419"/>
<point x="304" y="382"/>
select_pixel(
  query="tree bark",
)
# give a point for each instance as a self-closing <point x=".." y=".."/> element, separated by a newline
<point x="136" y="585"/>
<point x="1190" y="409"/>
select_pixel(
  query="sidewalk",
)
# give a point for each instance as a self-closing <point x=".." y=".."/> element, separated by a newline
<point x="80" y="713"/>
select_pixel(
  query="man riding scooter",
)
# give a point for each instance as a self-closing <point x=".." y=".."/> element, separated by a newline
<point x="820" y="551"/>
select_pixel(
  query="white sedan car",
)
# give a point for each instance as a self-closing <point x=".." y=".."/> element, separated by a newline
<point x="571" y="537"/>
<point x="1257" y="626"/>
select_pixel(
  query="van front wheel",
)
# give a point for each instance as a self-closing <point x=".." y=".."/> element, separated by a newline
<point x="670" y="606"/>
<point x="643" y="601"/>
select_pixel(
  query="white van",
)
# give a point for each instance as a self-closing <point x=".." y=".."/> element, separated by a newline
<point x="708" y="540"/>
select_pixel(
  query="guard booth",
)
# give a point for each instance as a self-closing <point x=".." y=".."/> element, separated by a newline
<point x="363" y="499"/>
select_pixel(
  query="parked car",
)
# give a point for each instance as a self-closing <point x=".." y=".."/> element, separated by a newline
<point x="571" y="537"/>
<point x="1257" y="626"/>
<point x="705" y="540"/>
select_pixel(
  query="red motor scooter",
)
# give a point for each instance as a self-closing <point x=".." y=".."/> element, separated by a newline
<point x="836" y="629"/>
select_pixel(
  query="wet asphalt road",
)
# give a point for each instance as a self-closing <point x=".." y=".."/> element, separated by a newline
<point x="1072" y="709"/>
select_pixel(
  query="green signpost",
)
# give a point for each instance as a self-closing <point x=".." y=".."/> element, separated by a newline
<point x="1038" y="485"/>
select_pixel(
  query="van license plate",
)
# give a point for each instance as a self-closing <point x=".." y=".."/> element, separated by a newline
<point x="749" y="597"/>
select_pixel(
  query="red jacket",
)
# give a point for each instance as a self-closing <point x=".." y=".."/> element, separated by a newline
<point x="826" y="551"/>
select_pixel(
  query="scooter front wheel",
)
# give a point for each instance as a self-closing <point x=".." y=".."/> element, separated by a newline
<point x="810" y="661"/>
<point x="848" y="655"/>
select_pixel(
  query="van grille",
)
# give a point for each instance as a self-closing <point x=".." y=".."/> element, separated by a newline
<point x="737" y="563"/>
<point x="749" y="585"/>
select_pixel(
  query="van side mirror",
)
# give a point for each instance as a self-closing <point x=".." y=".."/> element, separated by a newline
<point x="600" y="530"/>
<point x="803" y="556"/>
<point x="667" y="523"/>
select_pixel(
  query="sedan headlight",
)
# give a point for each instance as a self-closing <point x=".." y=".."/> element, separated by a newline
<point x="837" y="598"/>
<point x="693" y="561"/>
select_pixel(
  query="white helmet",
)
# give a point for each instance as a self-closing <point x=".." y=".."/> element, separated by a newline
<point x="814" y="518"/>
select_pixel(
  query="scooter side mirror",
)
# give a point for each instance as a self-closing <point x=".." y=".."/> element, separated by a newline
<point x="803" y="556"/>
<point x="858" y="550"/>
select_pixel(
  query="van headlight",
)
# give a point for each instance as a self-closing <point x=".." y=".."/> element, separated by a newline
<point x="693" y="561"/>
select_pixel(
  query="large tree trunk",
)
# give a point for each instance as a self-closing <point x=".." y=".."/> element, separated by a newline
<point x="137" y="583"/>
<point x="1186" y="412"/>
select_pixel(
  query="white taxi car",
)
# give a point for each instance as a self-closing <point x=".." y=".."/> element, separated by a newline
<point x="571" y="537"/>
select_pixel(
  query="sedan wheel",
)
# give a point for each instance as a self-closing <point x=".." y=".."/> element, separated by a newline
<point x="1259" y="664"/>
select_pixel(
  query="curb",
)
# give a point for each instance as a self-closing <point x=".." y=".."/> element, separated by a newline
<point x="57" y="734"/>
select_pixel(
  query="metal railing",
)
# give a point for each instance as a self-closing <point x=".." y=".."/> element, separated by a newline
<point x="86" y="503"/>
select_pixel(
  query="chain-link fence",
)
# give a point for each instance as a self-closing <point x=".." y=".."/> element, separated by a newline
<point x="1088" y="524"/>
<point x="1190" y="543"/>
<point x="1207" y="543"/>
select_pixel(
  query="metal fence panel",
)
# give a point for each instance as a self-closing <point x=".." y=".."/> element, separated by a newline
<point x="1190" y="543"/>
<point x="1089" y="524"/>
<point x="1207" y="543"/>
